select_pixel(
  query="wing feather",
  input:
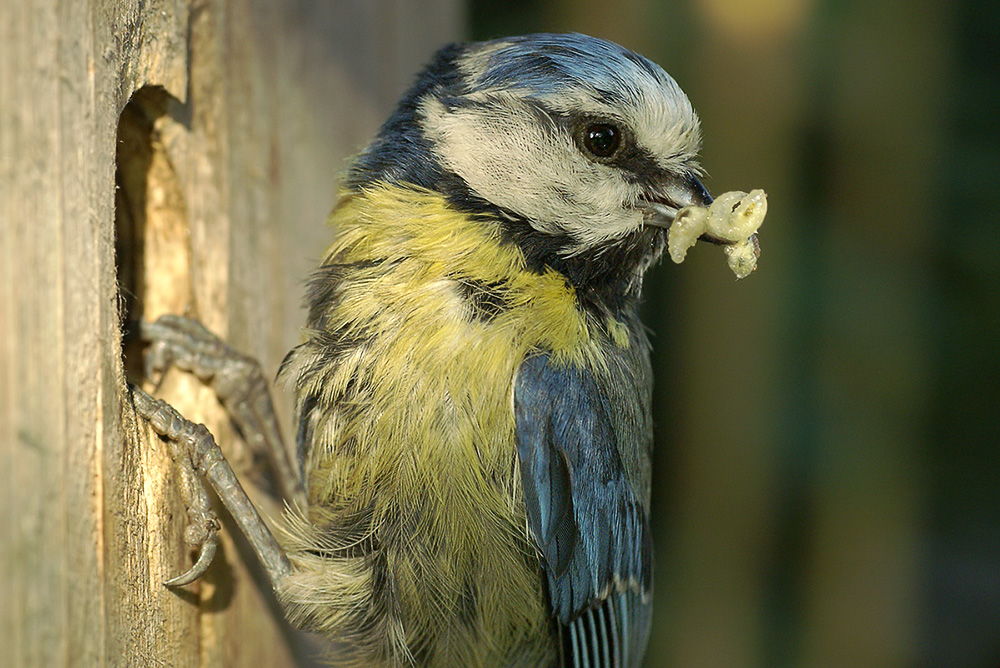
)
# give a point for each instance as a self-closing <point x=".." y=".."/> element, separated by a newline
<point x="585" y="517"/>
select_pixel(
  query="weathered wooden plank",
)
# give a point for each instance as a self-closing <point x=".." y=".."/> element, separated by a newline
<point x="227" y="173"/>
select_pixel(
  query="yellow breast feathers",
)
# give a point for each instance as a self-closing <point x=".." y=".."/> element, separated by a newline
<point x="421" y="317"/>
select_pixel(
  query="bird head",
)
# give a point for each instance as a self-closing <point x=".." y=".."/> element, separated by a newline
<point x="579" y="144"/>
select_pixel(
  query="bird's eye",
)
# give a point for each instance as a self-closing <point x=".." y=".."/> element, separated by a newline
<point x="601" y="140"/>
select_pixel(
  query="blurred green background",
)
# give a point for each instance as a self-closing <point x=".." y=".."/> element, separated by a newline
<point x="826" y="491"/>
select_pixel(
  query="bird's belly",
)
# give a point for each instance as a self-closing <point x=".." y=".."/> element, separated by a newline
<point x="424" y="481"/>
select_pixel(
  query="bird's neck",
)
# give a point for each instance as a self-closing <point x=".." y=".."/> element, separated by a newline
<point x="477" y="243"/>
<point x="607" y="279"/>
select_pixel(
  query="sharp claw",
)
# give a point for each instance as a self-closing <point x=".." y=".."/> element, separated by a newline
<point x="205" y="557"/>
<point x="189" y="346"/>
<point x="203" y="527"/>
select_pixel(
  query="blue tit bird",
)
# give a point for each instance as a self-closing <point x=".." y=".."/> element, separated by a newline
<point x="473" y="392"/>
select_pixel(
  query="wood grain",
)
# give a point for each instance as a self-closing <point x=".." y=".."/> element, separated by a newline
<point x="241" y="116"/>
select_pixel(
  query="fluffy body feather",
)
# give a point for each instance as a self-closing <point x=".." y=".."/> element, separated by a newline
<point x="416" y="511"/>
<point x="473" y="391"/>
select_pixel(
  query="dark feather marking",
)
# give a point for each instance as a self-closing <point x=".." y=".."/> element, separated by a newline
<point x="486" y="300"/>
<point x="323" y="351"/>
<point x="305" y="408"/>
<point x="323" y="290"/>
<point x="468" y="611"/>
<point x="384" y="597"/>
<point x="601" y="634"/>
<point x="583" y="645"/>
<point x="586" y="622"/>
<point x="349" y="536"/>
<point x="604" y="277"/>
<point x="614" y="634"/>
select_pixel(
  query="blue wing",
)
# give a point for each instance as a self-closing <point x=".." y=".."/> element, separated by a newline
<point x="584" y="515"/>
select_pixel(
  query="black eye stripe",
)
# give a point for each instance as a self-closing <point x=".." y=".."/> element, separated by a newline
<point x="636" y="163"/>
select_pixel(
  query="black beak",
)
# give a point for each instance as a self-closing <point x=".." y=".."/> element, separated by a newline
<point x="660" y="208"/>
<point x="700" y="192"/>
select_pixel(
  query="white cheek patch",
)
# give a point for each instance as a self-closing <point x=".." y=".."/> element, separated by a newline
<point x="515" y="159"/>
